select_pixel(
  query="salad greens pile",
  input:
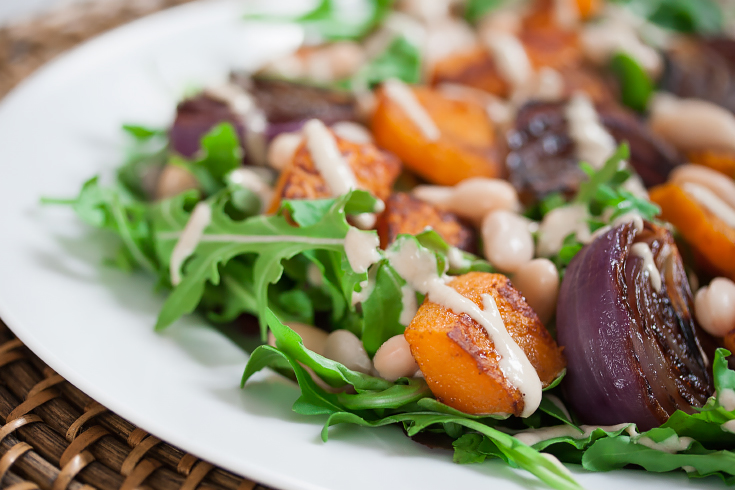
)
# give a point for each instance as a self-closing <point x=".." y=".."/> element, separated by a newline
<point x="246" y="263"/>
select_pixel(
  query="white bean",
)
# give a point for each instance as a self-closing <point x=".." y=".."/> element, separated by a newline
<point x="314" y="338"/>
<point x="715" y="307"/>
<point x="508" y="242"/>
<point x="691" y="124"/>
<point x="719" y="184"/>
<point x="173" y="181"/>
<point x="344" y="347"/>
<point x="282" y="150"/>
<point x="559" y="223"/>
<point x="471" y="199"/>
<point x="538" y="280"/>
<point x="394" y="360"/>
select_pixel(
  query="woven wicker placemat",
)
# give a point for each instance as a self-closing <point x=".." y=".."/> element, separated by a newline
<point x="55" y="437"/>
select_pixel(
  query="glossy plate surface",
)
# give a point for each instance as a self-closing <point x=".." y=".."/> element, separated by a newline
<point x="94" y="324"/>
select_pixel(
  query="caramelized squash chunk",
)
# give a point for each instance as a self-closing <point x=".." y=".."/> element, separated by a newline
<point x="703" y="230"/>
<point x="374" y="170"/>
<point x="474" y="68"/>
<point x="406" y="214"/>
<point x="467" y="147"/>
<point x="723" y="161"/>
<point x="458" y="358"/>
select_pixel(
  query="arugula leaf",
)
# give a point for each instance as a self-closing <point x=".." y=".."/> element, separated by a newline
<point x="517" y="453"/>
<point x="142" y="133"/>
<point x="690" y="16"/>
<point x="382" y="309"/>
<point x="272" y="238"/>
<point x="328" y="19"/>
<point x="401" y="60"/>
<point x="220" y="154"/>
<point x="115" y="210"/>
<point x="475" y="10"/>
<point x="636" y="87"/>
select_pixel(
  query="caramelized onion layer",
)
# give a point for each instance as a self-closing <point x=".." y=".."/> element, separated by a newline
<point x="634" y="354"/>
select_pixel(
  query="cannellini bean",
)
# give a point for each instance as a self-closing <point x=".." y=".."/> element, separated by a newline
<point x="691" y="124"/>
<point x="471" y="199"/>
<point x="508" y="241"/>
<point x="173" y="181"/>
<point x="282" y="149"/>
<point x="344" y="347"/>
<point x="394" y="360"/>
<point x="314" y="338"/>
<point x="600" y="41"/>
<point x="538" y="280"/>
<point x="356" y="133"/>
<point x="715" y="307"/>
<point x="559" y="223"/>
<point x="719" y="184"/>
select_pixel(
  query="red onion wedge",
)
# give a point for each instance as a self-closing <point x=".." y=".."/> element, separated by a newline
<point x="634" y="354"/>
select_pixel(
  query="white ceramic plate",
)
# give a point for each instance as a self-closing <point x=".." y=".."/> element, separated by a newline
<point x="94" y="325"/>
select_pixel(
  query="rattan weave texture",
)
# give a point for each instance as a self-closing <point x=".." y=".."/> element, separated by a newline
<point x="55" y="437"/>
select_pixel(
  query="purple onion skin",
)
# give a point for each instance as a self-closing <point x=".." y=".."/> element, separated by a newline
<point x="621" y="368"/>
<point x="195" y="117"/>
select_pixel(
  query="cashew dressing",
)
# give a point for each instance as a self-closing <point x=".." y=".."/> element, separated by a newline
<point x="535" y="436"/>
<point x="643" y="251"/>
<point x="671" y="445"/>
<point x="250" y="180"/>
<point x="409" y="305"/>
<point x="510" y="57"/>
<point x="710" y="201"/>
<point x="361" y="248"/>
<point x="419" y="268"/>
<point x="594" y="144"/>
<point x="729" y="426"/>
<point x="189" y="239"/>
<point x="401" y="94"/>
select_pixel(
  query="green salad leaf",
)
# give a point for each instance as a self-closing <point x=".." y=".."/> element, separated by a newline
<point x="401" y="59"/>
<point x="475" y="10"/>
<point x="689" y="16"/>
<point x="334" y="20"/>
<point x="636" y="87"/>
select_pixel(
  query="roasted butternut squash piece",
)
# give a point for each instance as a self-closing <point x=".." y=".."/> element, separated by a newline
<point x="475" y="69"/>
<point x="406" y="214"/>
<point x="374" y="170"/>
<point x="709" y="235"/>
<point x="722" y="161"/>
<point x="467" y="145"/>
<point x="458" y="358"/>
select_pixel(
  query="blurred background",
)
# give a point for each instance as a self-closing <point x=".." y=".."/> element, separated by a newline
<point x="35" y="31"/>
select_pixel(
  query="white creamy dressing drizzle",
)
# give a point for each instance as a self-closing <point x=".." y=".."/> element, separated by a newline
<point x="729" y="426"/>
<point x="366" y="288"/>
<point x="189" y="239"/>
<point x="409" y="305"/>
<point x="510" y="57"/>
<point x="332" y="166"/>
<point x="689" y="469"/>
<point x="419" y="268"/>
<point x="643" y="251"/>
<point x="535" y="436"/>
<point x="251" y="116"/>
<point x="671" y="445"/>
<point x="456" y="259"/>
<point x="594" y="144"/>
<point x="711" y="202"/>
<point x="328" y="160"/>
<point x="556" y="463"/>
<point x="361" y="248"/>
<point x="250" y="180"/>
<point x="727" y="399"/>
<point x="559" y="404"/>
<point x="401" y="94"/>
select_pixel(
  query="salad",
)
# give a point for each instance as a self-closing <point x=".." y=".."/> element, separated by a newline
<point x="507" y="228"/>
